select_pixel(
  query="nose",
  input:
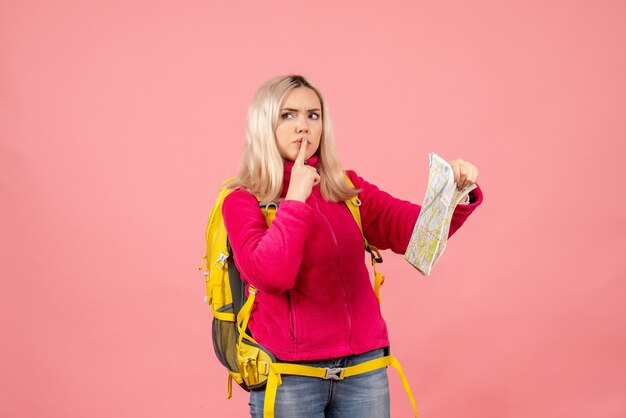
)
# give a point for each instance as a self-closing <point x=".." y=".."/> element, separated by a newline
<point x="302" y="126"/>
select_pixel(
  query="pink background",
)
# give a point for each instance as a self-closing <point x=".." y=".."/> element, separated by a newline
<point x="119" y="119"/>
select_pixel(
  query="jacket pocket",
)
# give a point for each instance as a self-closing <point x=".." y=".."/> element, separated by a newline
<point x="292" y="318"/>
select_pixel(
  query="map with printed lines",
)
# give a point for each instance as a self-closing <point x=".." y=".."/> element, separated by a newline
<point x="430" y="234"/>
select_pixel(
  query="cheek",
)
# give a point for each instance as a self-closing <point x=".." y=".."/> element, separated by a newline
<point x="281" y="136"/>
<point x="283" y="142"/>
<point x="318" y="128"/>
<point x="318" y="134"/>
<point x="316" y="148"/>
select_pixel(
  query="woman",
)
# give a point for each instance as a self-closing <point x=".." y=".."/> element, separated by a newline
<point x="315" y="304"/>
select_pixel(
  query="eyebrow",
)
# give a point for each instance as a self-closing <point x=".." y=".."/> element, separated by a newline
<point x="296" y="110"/>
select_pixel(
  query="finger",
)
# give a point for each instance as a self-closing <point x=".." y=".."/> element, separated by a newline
<point x="463" y="172"/>
<point x="312" y="174"/>
<point x="472" y="175"/>
<point x="301" y="152"/>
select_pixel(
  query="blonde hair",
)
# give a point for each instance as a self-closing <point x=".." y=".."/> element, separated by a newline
<point x="261" y="170"/>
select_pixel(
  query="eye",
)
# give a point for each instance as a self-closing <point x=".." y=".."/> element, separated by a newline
<point x="314" y="116"/>
<point x="286" y="115"/>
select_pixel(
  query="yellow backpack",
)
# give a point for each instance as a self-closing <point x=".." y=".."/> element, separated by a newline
<point x="248" y="363"/>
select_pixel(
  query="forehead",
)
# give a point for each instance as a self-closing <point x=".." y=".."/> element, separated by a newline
<point x="301" y="97"/>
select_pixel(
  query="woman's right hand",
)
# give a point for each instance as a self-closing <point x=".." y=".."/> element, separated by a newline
<point x="303" y="177"/>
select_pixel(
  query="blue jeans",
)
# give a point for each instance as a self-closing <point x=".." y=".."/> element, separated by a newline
<point x="363" y="396"/>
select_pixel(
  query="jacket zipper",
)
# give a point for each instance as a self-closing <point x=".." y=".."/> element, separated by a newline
<point x="343" y="285"/>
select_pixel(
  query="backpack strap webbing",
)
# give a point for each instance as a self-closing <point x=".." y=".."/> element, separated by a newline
<point x="277" y="369"/>
<point x="354" y="205"/>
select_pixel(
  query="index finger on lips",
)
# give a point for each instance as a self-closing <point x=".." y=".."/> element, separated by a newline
<point x="301" y="151"/>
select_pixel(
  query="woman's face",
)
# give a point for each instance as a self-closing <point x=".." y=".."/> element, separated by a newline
<point x="300" y="115"/>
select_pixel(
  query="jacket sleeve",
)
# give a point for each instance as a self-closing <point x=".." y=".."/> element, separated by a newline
<point x="267" y="257"/>
<point x="388" y="222"/>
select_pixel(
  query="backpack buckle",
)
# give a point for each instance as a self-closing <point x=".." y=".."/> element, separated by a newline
<point x="335" y="374"/>
<point x="374" y="253"/>
<point x="271" y="206"/>
<point x="221" y="260"/>
<point x="266" y="368"/>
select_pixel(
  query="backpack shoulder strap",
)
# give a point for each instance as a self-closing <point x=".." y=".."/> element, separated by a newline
<point x="354" y="205"/>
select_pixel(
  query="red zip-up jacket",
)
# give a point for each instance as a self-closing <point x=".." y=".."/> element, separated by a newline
<point x="315" y="299"/>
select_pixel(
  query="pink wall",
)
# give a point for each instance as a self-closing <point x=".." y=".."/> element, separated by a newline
<point x="119" y="119"/>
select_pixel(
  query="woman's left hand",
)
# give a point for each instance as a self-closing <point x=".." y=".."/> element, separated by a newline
<point x="465" y="173"/>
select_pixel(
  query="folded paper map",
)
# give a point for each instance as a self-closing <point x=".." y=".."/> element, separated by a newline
<point x="430" y="234"/>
